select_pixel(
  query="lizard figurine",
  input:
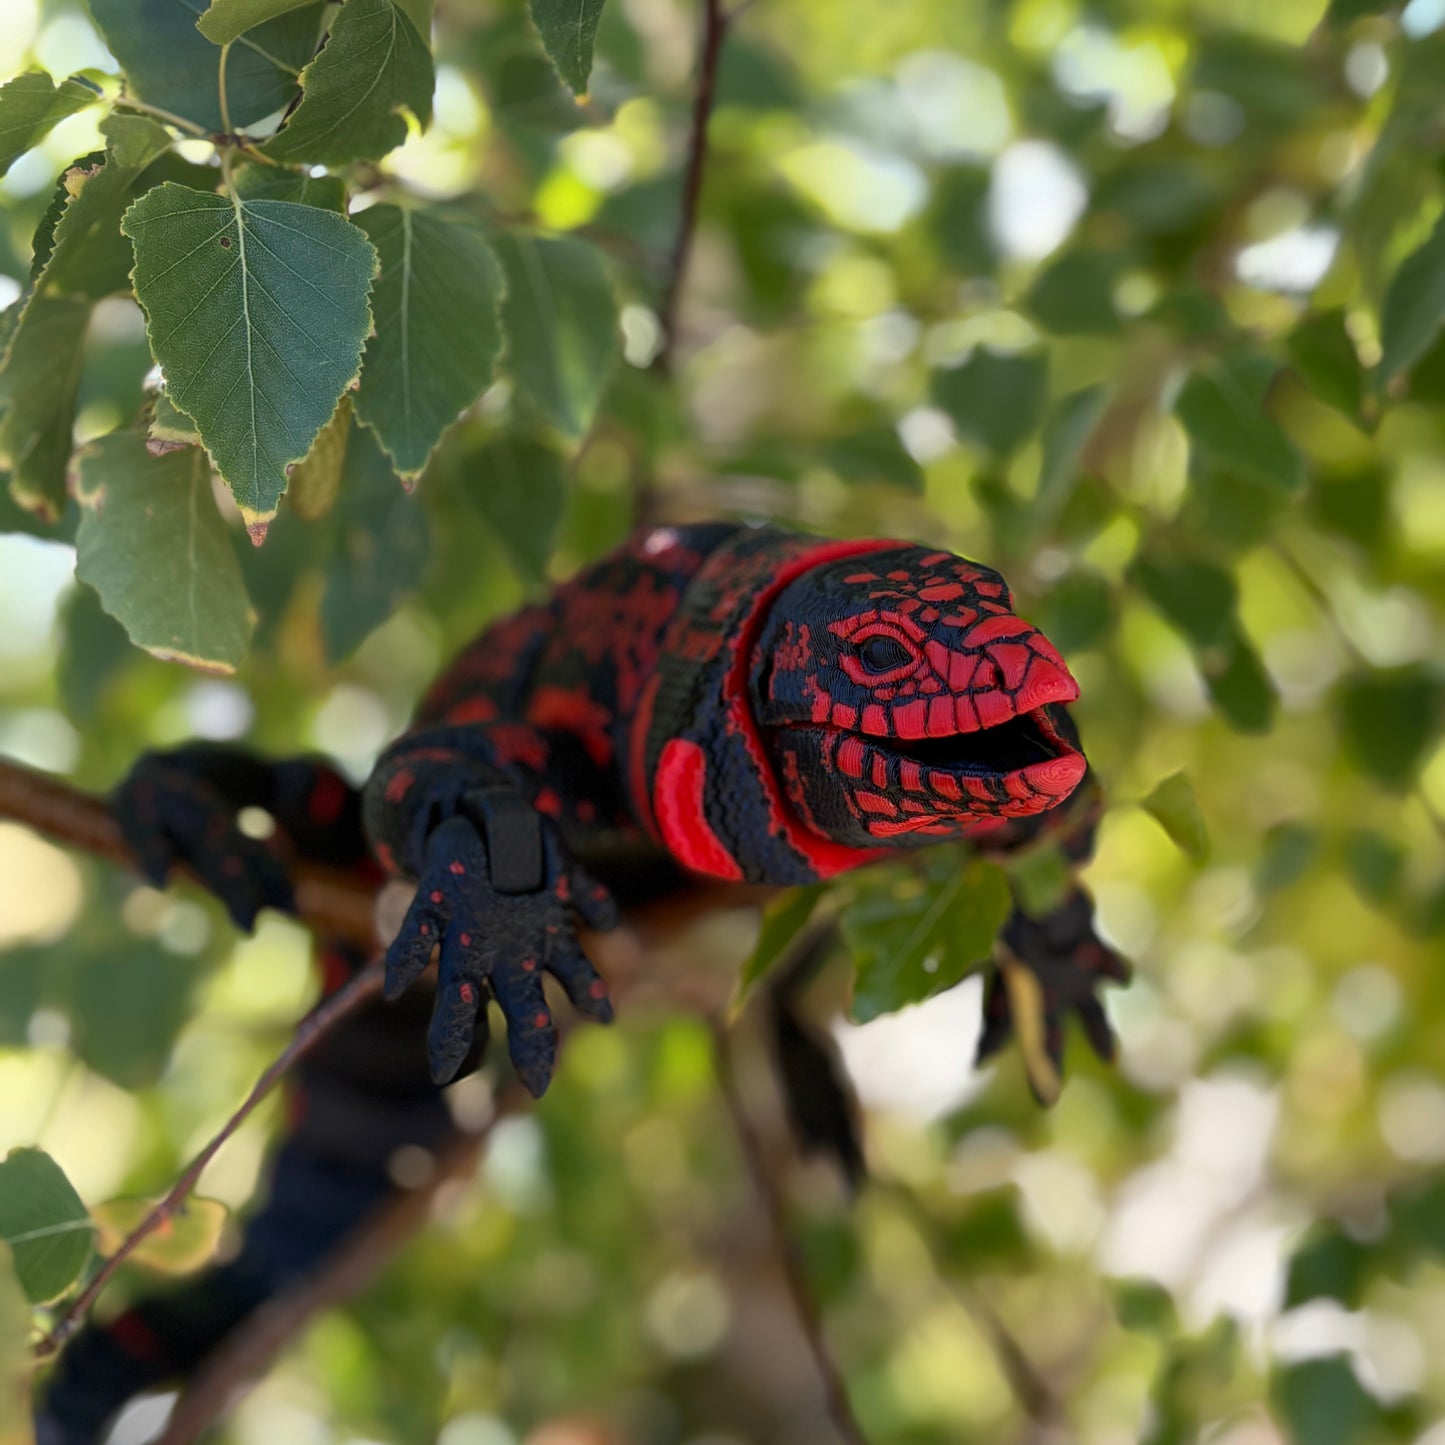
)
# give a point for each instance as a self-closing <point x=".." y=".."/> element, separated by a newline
<point x="744" y="703"/>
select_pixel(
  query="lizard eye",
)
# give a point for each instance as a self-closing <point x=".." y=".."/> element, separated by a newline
<point x="881" y="653"/>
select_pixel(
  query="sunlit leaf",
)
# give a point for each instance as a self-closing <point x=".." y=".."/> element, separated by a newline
<point x="783" y="920"/>
<point x="560" y="319"/>
<point x="44" y="1223"/>
<point x="183" y="1242"/>
<point x="373" y="66"/>
<point x="226" y="19"/>
<point x="912" y="937"/>
<point x="168" y="63"/>
<point x="1173" y="804"/>
<point x="568" y="29"/>
<point x="153" y="545"/>
<point x="438" y="333"/>
<point x="31" y="104"/>
<point x="256" y="311"/>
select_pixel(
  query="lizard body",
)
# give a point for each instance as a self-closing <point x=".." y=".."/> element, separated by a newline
<point x="739" y="702"/>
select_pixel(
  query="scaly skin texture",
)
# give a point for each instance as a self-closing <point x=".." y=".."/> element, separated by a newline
<point x="744" y="703"/>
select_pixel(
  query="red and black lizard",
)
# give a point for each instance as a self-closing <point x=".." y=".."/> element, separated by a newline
<point x="716" y="699"/>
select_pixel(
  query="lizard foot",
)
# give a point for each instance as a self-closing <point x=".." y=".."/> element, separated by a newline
<point x="502" y="897"/>
<point x="1046" y="969"/>
<point x="169" y="816"/>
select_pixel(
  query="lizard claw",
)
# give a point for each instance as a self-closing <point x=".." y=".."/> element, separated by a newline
<point x="1048" y="968"/>
<point x="496" y="944"/>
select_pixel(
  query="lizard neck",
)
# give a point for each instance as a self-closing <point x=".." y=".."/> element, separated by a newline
<point x="702" y="777"/>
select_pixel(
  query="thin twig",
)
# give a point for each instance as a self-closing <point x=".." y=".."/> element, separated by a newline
<point x="168" y="116"/>
<point x="835" y="1391"/>
<point x="365" y="986"/>
<point x="715" y="26"/>
<point x="248" y="1352"/>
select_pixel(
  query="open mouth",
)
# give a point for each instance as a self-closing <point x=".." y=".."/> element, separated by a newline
<point x="1010" y="746"/>
<point x="1016" y="768"/>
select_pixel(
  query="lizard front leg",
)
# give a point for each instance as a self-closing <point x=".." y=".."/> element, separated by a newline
<point x="498" y="894"/>
<point x="182" y="806"/>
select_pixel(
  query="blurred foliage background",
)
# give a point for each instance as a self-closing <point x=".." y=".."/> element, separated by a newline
<point x="1111" y="294"/>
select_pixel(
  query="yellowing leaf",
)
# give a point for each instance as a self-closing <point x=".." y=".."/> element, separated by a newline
<point x="182" y="1243"/>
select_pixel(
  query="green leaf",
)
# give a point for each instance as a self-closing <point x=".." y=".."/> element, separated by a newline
<point x="169" y="427"/>
<point x="1197" y="597"/>
<point x="1040" y="876"/>
<point x="1228" y="424"/>
<point x="1322" y="1402"/>
<point x="1388" y="720"/>
<point x="1070" y="424"/>
<point x="168" y="62"/>
<point x="569" y="29"/>
<point x="560" y="318"/>
<point x="38" y="389"/>
<point x="1076" y="612"/>
<point x="224" y="20"/>
<point x="15" y="1358"/>
<point x="438" y="331"/>
<point x="273" y="183"/>
<point x="783" y="920"/>
<point x="1239" y="685"/>
<point x="316" y="478"/>
<point x="1375" y="865"/>
<point x="1173" y="804"/>
<point x="31" y="104"/>
<point x="86" y="253"/>
<point x="253" y="348"/>
<point x="373" y="65"/>
<point x="1323" y="352"/>
<point x="1074" y="296"/>
<point x="1414" y="307"/>
<point x="874" y="454"/>
<point x="912" y="937"/>
<point x="995" y="400"/>
<point x="382" y="548"/>
<point x="153" y="545"/>
<point x="520" y="487"/>
<point x="1328" y="1264"/>
<point x="183" y="1242"/>
<point x="44" y="1222"/>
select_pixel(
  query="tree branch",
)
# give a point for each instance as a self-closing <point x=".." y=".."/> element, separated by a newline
<point x="715" y="27"/>
<point x="325" y="1016"/>
<point x="765" y="1185"/>
<point x="335" y="905"/>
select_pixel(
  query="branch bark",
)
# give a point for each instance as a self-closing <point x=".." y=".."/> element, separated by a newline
<point x="715" y="26"/>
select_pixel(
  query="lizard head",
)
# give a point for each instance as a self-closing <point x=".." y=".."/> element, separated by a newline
<point x="902" y="701"/>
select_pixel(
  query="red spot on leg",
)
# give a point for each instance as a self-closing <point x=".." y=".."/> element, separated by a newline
<point x="597" y="989"/>
<point x="398" y="785"/>
<point x="542" y="1020"/>
<point x="466" y="940"/>
<point x="456" y="866"/>
<point x="467" y="993"/>
<point x="436" y="895"/>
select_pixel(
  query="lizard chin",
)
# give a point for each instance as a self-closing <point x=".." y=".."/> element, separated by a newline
<point x="897" y="791"/>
